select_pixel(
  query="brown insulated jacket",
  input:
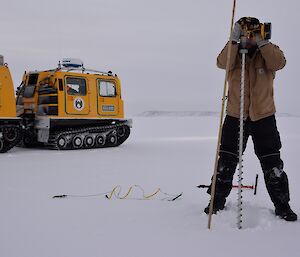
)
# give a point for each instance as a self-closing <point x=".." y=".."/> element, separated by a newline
<point x="259" y="75"/>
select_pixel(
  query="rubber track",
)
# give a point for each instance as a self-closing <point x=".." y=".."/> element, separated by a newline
<point x="9" y="145"/>
<point x="99" y="130"/>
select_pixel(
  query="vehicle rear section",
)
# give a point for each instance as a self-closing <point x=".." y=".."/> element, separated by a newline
<point x="10" y="126"/>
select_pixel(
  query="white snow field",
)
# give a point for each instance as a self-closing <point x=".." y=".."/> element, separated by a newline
<point x="172" y="152"/>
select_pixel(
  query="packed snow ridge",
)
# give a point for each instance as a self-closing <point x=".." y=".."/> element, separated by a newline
<point x="158" y="113"/>
<point x="177" y="113"/>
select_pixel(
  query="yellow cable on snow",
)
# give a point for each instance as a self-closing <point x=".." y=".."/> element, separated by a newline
<point x="149" y="196"/>
<point x="116" y="191"/>
<point x="124" y="197"/>
<point x="112" y="192"/>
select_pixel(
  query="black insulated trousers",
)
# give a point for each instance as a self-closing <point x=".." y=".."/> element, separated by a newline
<point x="267" y="144"/>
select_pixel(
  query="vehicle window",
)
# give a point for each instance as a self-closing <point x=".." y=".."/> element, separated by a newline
<point x="106" y="88"/>
<point x="31" y="84"/>
<point x="29" y="91"/>
<point x="33" y="79"/>
<point x="76" y="86"/>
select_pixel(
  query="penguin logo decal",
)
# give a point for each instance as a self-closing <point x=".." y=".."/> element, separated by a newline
<point x="78" y="104"/>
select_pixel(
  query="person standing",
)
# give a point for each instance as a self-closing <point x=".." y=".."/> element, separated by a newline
<point x="262" y="61"/>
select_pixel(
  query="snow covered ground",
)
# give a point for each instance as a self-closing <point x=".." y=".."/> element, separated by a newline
<point x="172" y="153"/>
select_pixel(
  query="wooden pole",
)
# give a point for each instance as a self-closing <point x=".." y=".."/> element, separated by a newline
<point x="213" y="184"/>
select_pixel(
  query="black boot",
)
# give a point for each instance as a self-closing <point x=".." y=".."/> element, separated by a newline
<point x="278" y="188"/>
<point x="285" y="212"/>
<point x="219" y="204"/>
<point x="225" y="172"/>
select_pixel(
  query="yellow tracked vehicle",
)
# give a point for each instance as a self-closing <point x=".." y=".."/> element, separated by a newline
<point x="71" y="107"/>
<point x="10" y="125"/>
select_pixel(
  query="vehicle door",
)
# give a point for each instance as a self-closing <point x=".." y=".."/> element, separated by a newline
<point x="107" y="98"/>
<point x="76" y="96"/>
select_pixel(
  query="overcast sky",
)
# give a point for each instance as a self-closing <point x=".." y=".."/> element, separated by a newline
<point x="163" y="50"/>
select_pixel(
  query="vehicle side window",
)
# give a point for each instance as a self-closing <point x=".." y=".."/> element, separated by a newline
<point x="33" y="79"/>
<point x="75" y="86"/>
<point x="106" y="88"/>
<point x="31" y="84"/>
<point x="29" y="91"/>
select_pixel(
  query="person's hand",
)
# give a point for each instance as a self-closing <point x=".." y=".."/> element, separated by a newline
<point x="236" y="32"/>
<point x="260" y="41"/>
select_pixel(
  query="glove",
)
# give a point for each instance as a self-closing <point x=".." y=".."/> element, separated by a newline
<point x="260" y="41"/>
<point x="236" y="32"/>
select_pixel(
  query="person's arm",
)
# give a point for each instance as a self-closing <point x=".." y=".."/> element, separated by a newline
<point x="273" y="56"/>
<point x="222" y="58"/>
<point x="234" y="38"/>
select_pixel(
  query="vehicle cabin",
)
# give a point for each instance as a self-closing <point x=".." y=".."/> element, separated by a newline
<point x="70" y="92"/>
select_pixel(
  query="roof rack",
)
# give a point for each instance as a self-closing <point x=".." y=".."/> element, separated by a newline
<point x="76" y="67"/>
<point x="73" y="64"/>
<point x="85" y="70"/>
